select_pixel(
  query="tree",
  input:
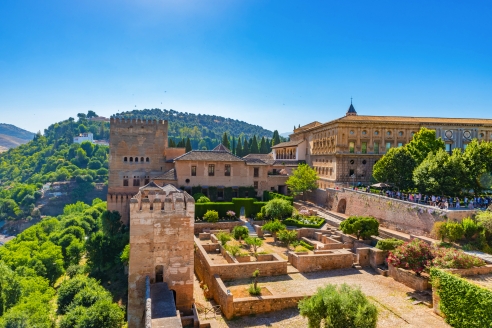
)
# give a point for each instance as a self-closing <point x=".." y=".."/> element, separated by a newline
<point x="273" y="227"/>
<point x="254" y="289"/>
<point x="188" y="145"/>
<point x="239" y="148"/>
<point x="103" y="313"/>
<point x="276" y="138"/>
<point x="302" y="179"/>
<point x="441" y="173"/>
<point x="477" y="162"/>
<point x="395" y="167"/>
<point x="240" y="232"/>
<point x="278" y="208"/>
<point x="361" y="226"/>
<point x="423" y="143"/>
<point x="254" y="242"/>
<point x="287" y="236"/>
<point x="91" y="114"/>
<point x="484" y="219"/>
<point x="414" y="255"/>
<point x="225" y="141"/>
<point x="263" y="146"/>
<point x="253" y="148"/>
<point x="339" y="307"/>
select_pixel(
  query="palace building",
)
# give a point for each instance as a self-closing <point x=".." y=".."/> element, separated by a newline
<point x="343" y="151"/>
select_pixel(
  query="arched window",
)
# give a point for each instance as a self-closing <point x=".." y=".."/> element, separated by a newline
<point x="141" y="159"/>
<point x="131" y="159"/>
<point x="147" y="159"/>
<point x="136" y="159"/>
<point x="125" y="159"/>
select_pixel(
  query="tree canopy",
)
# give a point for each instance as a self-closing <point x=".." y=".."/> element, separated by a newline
<point x="303" y="178"/>
<point x="395" y="167"/>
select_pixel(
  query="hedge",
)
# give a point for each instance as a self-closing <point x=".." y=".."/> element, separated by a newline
<point x="257" y="207"/>
<point x="464" y="304"/>
<point x="268" y="195"/>
<point x="221" y="208"/>
<point x="389" y="244"/>
<point x="308" y="246"/>
<point x="251" y="207"/>
<point x="296" y="223"/>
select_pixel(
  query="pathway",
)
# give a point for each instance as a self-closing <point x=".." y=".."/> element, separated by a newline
<point x="251" y="230"/>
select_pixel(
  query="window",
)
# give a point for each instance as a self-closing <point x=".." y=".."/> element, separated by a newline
<point x="131" y="159"/>
<point x="141" y="159"/>
<point x="256" y="172"/>
<point x="125" y="159"/>
<point x="376" y="133"/>
<point x="136" y="159"/>
<point x="255" y="184"/>
<point x="388" y="146"/>
<point x="364" y="148"/>
<point x="351" y="172"/>
<point x="220" y="193"/>
<point x="125" y="182"/>
<point x="193" y="171"/>
<point x="448" y="147"/>
<point x="364" y="162"/>
<point x="136" y="181"/>
<point x="147" y="180"/>
<point x="211" y="170"/>
<point x="147" y="159"/>
<point x="227" y="170"/>
<point x="400" y="144"/>
<point x="388" y="133"/>
<point x="400" y="133"/>
<point x="376" y="148"/>
<point x="351" y="147"/>
<point x="351" y="131"/>
<point x="364" y="132"/>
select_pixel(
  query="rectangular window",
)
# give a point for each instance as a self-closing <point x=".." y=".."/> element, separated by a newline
<point x="211" y="170"/>
<point x="136" y="181"/>
<point x="220" y="194"/>
<point x="388" y="146"/>
<point x="193" y="171"/>
<point x="227" y="170"/>
<point x="400" y="144"/>
<point x="376" y="148"/>
<point x="351" y="172"/>
<point x="448" y="148"/>
<point x="125" y="182"/>
<point x="256" y="172"/>
<point x="351" y="147"/>
<point x="147" y="181"/>
<point x="364" y="148"/>
<point x="234" y="193"/>
<point x="255" y="184"/>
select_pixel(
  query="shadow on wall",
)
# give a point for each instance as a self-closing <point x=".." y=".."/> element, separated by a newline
<point x="342" y="205"/>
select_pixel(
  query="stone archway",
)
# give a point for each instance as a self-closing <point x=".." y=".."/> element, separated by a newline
<point x="342" y="206"/>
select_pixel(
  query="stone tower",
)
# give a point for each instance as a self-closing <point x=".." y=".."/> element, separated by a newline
<point x="137" y="152"/>
<point x="161" y="247"/>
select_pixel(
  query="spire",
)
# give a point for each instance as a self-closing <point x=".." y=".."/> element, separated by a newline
<point x="351" y="111"/>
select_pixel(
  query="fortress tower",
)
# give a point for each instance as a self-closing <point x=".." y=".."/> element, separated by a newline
<point x="161" y="248"/>
<point x="137" y="152"/>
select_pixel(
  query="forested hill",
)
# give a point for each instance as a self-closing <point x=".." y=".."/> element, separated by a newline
<point x="182" y="125"/>
<point x="12" y="136"/>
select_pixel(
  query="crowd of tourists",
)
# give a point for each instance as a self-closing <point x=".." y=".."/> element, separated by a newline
<point x="442" y="202"/>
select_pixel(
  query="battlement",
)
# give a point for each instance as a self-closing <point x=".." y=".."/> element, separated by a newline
<point x="168" y="199"/>
<point x="119" y="121"/>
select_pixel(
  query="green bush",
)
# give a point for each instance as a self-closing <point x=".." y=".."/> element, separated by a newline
<point x="301" y="249"/>
<point x="196" y="190"/>
<point x="339" y="306"/>
<point x="317" y="222"/>
<point x="464" y="304"/>
<point x="452" y="258"/>
<point x="211" y="216"/>
<point x="389" y="244"/>
<point x="278" y="208"/>
<point x="269" y="195"/>
<point x="221" y="208"/>
<point x="306" y="245"/>
<point x="287" y="236"/>
<point x="259" y="216"/>
<point x="247" y="203"/>
<point x="470" y="228"/>
<point x="223" y="237"/>
<point x="439" y="230"/>
<point x="203" y="199"/>
<point x="361" y="226"/>
<point x="240" y="232"/>
<point x="455" y="231"/>
<point x="228" y="194"/>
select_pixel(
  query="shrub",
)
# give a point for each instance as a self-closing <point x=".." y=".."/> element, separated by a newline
<point x="439" y="230"/>
<point x="223" y="237"/>
<point x="301" y="249"/>
<point x="234" y="249"/>
<point x="259" y="216"/>
<point x="211" y="216"/>
<point x="240" y="232"/>
<point x="470" y="228"/>
<point x="389" y="244"/>
<point x="198" y="195"/>
<point x="452" y="258"/>
<point x="70" y="288"/>
<point x="339" y="306"/>
<point x="464" y="304"/>
<point x="415" y="255"/>
<point x="287" y="236"/>
<point x="360" y="226"/>
<point x="254" y="289"/>
<point x="273" y="227"/>
<point x="203" y="199"/>
<point x="484" y="219"/>
<point x="306" y="245"/>
<point x="454" y="231"/>
<point x="278" y="208"/>
<point x="305" y="222"/>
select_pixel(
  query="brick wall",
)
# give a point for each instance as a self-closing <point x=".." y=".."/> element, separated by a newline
<point x="201" y="226"/>
<point x="327" y="261"/>
<point x="408" y="278"/>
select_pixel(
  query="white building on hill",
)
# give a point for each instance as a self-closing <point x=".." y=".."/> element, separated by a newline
<point x="84" y="137"/>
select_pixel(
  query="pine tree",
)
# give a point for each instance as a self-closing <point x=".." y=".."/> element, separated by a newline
<point x="225" y="141"/>
<point x="275" y="138"/>
<point x="269" y="145"/>
<point x="172" y="143"/>
<point x="245" y="147"/>
<point x="188" y="145"/>
<point x="239" y="148"/>
<point x="263" y="146"/>
<point x="253" y="149"/>
<point x="233" y="149"/>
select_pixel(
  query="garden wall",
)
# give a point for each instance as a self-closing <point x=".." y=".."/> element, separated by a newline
<point x="328" y="260"/>
<point x="206" y="226"/>
<point x="391" y="213"/>
<point x="408" y="278"/>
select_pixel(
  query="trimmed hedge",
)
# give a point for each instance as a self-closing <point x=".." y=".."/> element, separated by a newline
<point x="389" y="244"/>
<point x="268" y="195"/>
<point x="212" y="193"/>
<point x="464" y="304"/>
<point x="228" y="194"/>
<point x="221" y="208"/>
<point x="251" y="207"/>
<point x="257" y="207"/>
<point x="308" y="246"/>
<point x="296" y="223"/>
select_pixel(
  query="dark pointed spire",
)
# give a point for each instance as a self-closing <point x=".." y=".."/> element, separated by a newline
<point x="351" y="110"/>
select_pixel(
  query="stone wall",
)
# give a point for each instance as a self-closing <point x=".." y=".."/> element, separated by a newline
<point x="391" y="213"/>
<point x="409" y="278"/>
<point x="472" y="271"/>
<point x="201" y="227"/>
<point x="338" y="259"/>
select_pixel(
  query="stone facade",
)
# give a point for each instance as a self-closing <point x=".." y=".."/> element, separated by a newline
<point x="343" y="151"/>
<point x="161" y="247"/>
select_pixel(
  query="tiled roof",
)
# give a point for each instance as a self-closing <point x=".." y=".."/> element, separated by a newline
<point x="254" y="160"/>
<point x="221" y="147"/>
<point x="259" y="156"/>
<point x="428" y="120"/>
<point x="286" y="162"/>
<point x="209" y="155"/>
<point x="288" y="144"/>
<point x="168" y="175"/>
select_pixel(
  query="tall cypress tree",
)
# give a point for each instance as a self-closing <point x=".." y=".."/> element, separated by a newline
<point x="239" y="148"/>
<point x="263" y="146"/>
<point x="188" y="145"/>
<point x="253" y="149"/>
<point x="233" y="149"/>
<point x="269" y="145"/>
<point x="225" y="141"/>
<point x="171" y="142"/>
<point x="275" y="138"/>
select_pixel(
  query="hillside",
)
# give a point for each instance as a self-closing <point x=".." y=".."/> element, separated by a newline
<point x="181" y="125"/>
<point x="12" y="136"/>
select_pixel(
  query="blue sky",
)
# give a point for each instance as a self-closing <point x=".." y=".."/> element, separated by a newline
<point x="272" y="63"/>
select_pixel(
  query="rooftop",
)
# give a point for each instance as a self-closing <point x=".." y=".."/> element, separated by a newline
<point x="209" y="155"/>
<point x="292" y="143"/>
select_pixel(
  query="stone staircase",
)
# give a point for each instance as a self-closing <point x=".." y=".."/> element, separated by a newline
<point x="251" y="229"/>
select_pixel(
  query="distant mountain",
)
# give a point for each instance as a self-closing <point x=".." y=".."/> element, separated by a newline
<point x="212" y="126"/>
<point x="286" y="134"/>
<point x="12" y="136"/>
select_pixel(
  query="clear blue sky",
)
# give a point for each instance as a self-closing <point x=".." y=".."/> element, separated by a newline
<point x="271" y="63"/>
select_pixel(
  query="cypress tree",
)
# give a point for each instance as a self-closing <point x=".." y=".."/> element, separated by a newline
<point x="275" y="138"/>
<point x="239" y="148"/>
<point x="171" y="142"/>
<point x="269" y="145"/>
<point x="263" y="146"/>
<point x="253" y="149"/>
<point x="233" y="149"/>
<point x="225" y="141"/>
<point x="188" y="145"/>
